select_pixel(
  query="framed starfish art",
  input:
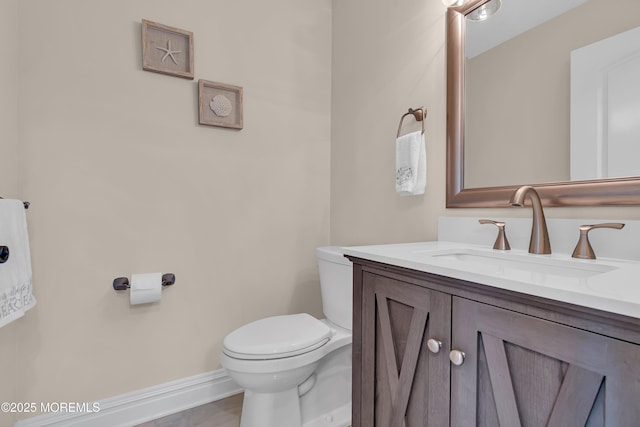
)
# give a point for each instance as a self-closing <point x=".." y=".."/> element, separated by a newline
<point x="167" y="50"/>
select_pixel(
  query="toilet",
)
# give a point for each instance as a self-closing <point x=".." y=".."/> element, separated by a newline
<point x="296" y="369"/>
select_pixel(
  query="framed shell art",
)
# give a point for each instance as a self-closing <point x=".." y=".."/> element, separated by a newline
<point x="167" y="50"/>
<point x="220" y="104"/>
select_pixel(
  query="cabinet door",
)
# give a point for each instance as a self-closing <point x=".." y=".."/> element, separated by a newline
<point x="519" y="370"/>
<point x="403" y="383"/>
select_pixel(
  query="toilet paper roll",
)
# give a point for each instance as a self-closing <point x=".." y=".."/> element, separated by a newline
<point x="145" y="288"/>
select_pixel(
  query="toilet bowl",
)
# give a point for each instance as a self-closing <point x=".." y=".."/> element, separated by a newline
<point x="296" y="369"/>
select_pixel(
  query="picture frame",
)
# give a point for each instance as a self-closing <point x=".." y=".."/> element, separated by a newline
<point x="167" y="50"/>
<point x="220" y="104"/>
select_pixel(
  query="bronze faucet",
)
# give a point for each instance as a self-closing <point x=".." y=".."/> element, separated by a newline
<point x="539" y="243"/>
<point x="501" y="244"/>
<point x="584" y="249"/>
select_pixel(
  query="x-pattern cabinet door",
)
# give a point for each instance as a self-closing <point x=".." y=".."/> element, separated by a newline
<point x="404" y="384"/>
<point x="520" y="370"/>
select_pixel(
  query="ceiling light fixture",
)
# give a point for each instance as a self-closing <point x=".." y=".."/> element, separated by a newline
<point x="485" y="11"/>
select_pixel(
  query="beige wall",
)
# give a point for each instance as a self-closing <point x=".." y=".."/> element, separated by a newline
<point x="9" y="99"/>
<point x="123" y="180"/>
<point x="387" y="56"/>
<point x="8" y="171"/>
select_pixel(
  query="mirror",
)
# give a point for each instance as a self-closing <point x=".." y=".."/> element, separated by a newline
<point x="471" y="133"/>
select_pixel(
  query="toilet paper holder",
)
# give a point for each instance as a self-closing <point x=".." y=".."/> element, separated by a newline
<point x="122" y="283"/>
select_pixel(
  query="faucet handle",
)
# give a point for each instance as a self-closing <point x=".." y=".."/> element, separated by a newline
<point x="583" y="248"/>
<point x="501" y="241"/>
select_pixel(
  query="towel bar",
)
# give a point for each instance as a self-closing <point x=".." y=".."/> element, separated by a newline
<point x="4" y="254"/>
<point x="25" y="204"/>
<point x="420" y="115"/>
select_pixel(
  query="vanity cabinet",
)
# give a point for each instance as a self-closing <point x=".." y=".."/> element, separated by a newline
<point x="399" y="377"/>
<point x="522" y="361"/>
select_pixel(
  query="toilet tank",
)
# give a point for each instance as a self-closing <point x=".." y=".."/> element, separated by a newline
<point x="336" y="285"/>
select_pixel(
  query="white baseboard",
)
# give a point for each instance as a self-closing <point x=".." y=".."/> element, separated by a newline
<point x="143" y="405"/>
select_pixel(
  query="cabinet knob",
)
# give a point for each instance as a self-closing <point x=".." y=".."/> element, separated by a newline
<point x="434" y="345"/>
<point x="456" y="357"/>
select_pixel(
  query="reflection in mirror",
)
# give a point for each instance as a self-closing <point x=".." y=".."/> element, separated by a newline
<point x="515" y="128"/>
<point x="518" y="87"/>
<point x="605" y="108"/>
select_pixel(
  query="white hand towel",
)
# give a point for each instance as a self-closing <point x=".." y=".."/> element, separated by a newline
<point x="16" y="295"/>
<point x="411" y="164"/>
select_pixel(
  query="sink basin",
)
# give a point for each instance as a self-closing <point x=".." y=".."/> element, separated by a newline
<point x="605" y="284"/>
<point x="505" y="263"/>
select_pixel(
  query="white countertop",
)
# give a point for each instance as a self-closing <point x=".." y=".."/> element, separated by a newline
<point x="611" y="285"/>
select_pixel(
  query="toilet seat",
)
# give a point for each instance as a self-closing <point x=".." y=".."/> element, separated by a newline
<point x="277" y="337"/>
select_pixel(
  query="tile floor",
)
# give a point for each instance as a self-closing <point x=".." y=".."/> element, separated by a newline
<point x="223" y="413"/>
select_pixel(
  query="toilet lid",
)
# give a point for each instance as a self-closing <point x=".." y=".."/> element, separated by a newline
<point x="277" y="337"/>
